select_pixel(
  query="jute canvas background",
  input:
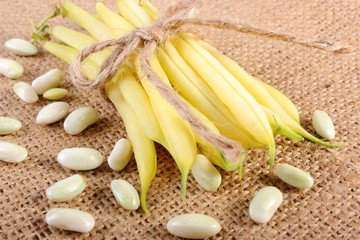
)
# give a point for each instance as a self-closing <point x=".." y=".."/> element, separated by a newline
<point x="311" y="78"/>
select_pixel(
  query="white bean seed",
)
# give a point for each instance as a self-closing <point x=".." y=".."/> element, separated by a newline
<point x="193" y="226"/>
<point x="21" y="47"/>
<point x="125" y="194"/>
<point x="120" y="155"/>
<point x="205" y="174"/>
<point x="66" y="189"/>
<point x="55" y="93"/>
<point x="80" y="119"/>
<point x="323" y="124"/>
<point x="80" y="158"/>
<point x="51" y="79"/>
<point x="11" y="152"/>
<point x="25" y="92"/>
<point x="52" y="112"/>
<point x="264" y="204"/>
<point x="9" y="125"/>
<point x="70" y="219"/>
<point x="10" y="68"/>
<point x="294" y="176"/>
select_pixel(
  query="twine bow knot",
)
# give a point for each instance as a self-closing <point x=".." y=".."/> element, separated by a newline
<point x="145" y="40"/>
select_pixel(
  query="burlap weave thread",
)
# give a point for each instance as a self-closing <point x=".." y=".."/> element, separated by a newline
<point x="312" y="79"/>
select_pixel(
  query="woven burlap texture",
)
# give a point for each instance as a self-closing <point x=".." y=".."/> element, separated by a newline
<point x="311" y="78"/>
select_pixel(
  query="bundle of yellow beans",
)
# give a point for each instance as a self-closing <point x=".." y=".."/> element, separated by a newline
<point x="220" y="93"/>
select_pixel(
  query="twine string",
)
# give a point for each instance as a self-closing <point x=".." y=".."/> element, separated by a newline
<point x="147" y="39"/>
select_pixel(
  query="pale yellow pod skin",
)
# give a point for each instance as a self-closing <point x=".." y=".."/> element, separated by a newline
<point x="289" y="121"/>
<point x="278" y="126"/>
<point x="283" y="100"/>
<point x="233" y="67"/>
<point x="94" y="26"/>
<point x="150" y="9"/>
<point x="133" y="13"/>
<point x="73" y="38"/>
<point x="252" y="85"/>
<point x="129" y="87"/>
<point x="68" y="54"/>
<point x="113" y="20"/>
<point x="178" y="134"/>
<point x="294" y="176"/>
<point x="230" y="91"/>
<point x="144" y="148"/>
<point x="205" y="174"/>
<point x="171" y="58"/>
<point x="138" y="17"/>
<point x="256" y="119"/>
<point x="208" y="149"/>
<point x="200" y="96"/>
<point x="223" y="91"/>
<point x="146" y="160"/>
<point x="65" y="53"/>
<point x="79" y="41"/>
<point x="9" y="125"/>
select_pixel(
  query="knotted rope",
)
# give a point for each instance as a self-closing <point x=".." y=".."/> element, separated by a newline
<point x="145" y="40"/>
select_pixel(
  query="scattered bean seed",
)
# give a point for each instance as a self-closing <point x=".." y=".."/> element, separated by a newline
<point x="70" y="219"/>
<point x="25" y="92"/>
<point x="51" y="79"/>
<point x="120" y="155"/>
<point x="80" y="119"/>
<point x="193" y="226"/>
<point x="10" y="68"/>
<point x="11" y="152"/>
<point x="80" y="158"/>
<point x="52" y="112"/>
<point x="294" y="176"/>
<point x="125" y="194"/>
<point x="323" y="124"/>
<point x="66" y="189"/>
<point x="264" y="204"/>
<point x="55" y="93"/>
<point x="205" y="173"/>
<point x="9" y="125"/>
<point x="20" y="47"/>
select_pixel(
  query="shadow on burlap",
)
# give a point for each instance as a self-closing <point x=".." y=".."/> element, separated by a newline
<point x="311" y="78"/>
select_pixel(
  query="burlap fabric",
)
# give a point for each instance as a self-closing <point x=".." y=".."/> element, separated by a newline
<point x="311" y="78"/>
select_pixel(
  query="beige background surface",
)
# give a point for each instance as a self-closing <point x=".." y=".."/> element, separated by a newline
<point x="311" y="78"/>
